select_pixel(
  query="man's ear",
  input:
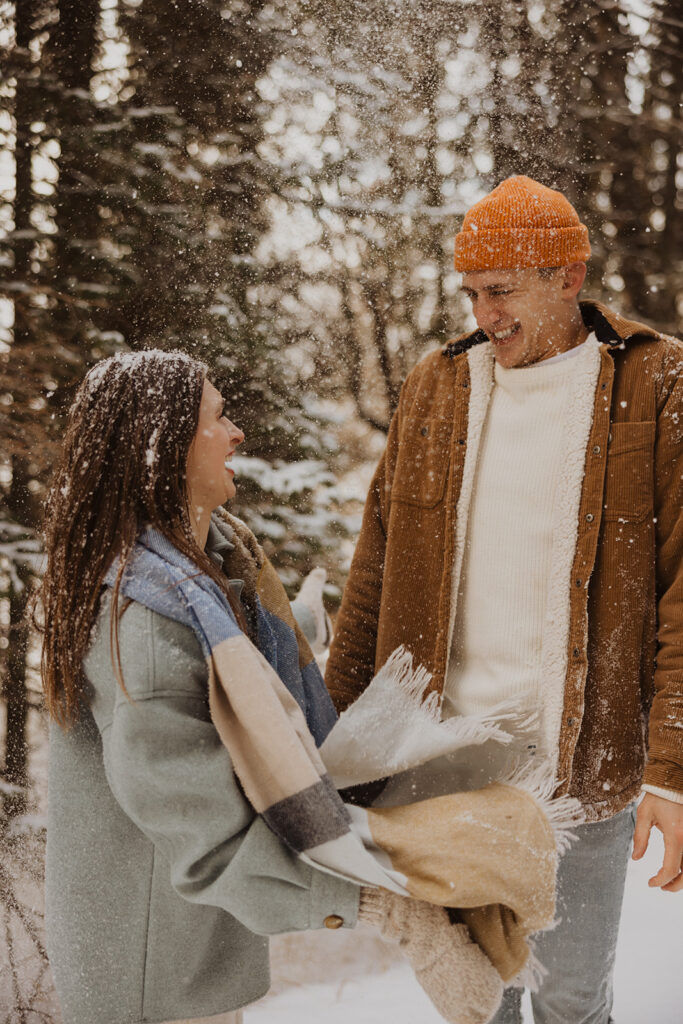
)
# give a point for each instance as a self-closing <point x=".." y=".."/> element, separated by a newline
<point x="574" y="276"/>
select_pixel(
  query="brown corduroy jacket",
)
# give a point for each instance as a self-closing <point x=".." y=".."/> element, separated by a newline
<point x="625" y="640"/>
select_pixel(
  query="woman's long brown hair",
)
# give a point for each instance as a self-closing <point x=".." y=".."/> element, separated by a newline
<point x="122" y="467"/>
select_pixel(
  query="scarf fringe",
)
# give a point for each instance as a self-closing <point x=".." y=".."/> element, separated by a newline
<point x="532" y="974"/>
<point x="395" y="725"/>
<point x="563" y="812"/>
<point x="412" y="684"/>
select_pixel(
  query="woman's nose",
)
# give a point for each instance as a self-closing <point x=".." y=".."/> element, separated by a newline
<point x="236" y="435"/>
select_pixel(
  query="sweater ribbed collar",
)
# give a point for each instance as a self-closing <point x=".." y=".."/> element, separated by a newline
<point x="546" y="374"/>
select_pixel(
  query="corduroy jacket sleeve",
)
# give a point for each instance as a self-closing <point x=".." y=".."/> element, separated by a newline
<point x="351" y="663"/>
<point x="665" y="748"/>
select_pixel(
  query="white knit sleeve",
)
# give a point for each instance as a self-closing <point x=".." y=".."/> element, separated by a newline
<point x="674" y="795"/>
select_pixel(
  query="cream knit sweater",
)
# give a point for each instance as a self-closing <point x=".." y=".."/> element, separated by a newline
<point x="504" y="581"/>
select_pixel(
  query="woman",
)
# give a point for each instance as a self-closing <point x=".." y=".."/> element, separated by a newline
<point x="143" y="802"/>
<point x="162" y="881"/>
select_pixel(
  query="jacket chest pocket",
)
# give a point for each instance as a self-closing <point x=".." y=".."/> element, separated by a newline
<point x="629" y="482"/>
<point x="422" y="462"/>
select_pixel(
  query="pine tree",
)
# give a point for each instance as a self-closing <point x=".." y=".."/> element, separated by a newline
<point x="18" y="362"/>
<point x="190" y="217"/>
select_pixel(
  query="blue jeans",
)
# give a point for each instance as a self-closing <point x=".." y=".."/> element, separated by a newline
<point x="579" y="953"/>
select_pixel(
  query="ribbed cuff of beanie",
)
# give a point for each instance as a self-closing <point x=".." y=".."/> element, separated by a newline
<point x="520" y="248"/>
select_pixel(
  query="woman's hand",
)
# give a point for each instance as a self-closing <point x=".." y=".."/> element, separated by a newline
<point x="455" y="973"/>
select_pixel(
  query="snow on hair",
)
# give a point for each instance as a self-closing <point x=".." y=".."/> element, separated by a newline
<point x="123" y="465"/>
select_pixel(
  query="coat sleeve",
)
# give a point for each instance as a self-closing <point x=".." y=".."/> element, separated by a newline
<point x="351" y="663"/>
<point x="169" y="771"/>
<point x="665" y="746"/>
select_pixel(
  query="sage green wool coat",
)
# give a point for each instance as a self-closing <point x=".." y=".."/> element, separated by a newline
<point x="162" y="883"/>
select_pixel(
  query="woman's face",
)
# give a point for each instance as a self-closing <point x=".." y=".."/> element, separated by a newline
<point x="209" y="481"/>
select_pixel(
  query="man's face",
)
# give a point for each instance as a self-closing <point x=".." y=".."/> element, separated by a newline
<point x="523" y="312"/>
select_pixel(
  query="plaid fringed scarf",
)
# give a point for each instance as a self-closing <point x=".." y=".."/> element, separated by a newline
<point x="491" y="853"/>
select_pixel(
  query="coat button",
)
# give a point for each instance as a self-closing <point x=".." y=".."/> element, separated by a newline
<point x="424" y="431"/>
<point x="333" y="921"/>
<point x="577" y="652"/>
<point x="589" y="517"/>
<point x="579" y="582"/>
<point x="596" y="449"/>
<point x="570" y="721"/>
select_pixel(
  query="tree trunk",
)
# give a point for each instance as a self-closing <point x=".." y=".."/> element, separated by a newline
<point x="18" y="498"/>
<point x="14" y="689"/>
<point x="70" y="52"/>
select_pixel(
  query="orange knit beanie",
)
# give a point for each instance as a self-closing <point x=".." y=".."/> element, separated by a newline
<point x="521" y="224"/>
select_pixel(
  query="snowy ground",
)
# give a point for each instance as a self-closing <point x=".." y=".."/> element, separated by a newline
<point x="349" y="976"/>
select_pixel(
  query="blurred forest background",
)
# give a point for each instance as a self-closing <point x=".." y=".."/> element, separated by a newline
<point x="275" y="187"/>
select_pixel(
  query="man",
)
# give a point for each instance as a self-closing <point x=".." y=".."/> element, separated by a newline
<point x="523" y="538"/>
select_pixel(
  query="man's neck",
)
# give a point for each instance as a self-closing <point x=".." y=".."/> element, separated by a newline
<point x="573" y="335"/>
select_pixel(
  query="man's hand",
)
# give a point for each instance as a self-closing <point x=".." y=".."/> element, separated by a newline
<point x="667" y="816"/>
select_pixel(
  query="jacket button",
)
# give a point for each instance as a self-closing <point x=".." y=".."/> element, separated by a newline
<point x="576" y="652"/>
<point x="424" y="431"/>
<point x="570" y="721"/>
<point x="596" y="449"/>
<point x="333" y="921"/>
<point x="579" y="582"/>
<point x="589" y="517"/>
